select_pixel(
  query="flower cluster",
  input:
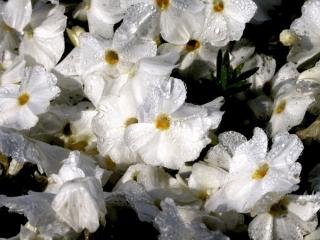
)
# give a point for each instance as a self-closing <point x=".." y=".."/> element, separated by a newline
<point x="100" y="97"/>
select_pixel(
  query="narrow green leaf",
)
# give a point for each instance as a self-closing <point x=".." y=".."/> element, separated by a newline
<point x="219" y="66"/>
<point x="245" y="75"/>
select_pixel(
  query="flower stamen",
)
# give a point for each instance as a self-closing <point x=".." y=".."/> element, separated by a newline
<point x="23" y="99"/>
<point x="163" y="4"/>
<point x="218" y="6"/>
<point x="163" y="122"/>
<point x="111" y="57"/>
<point x="261" y="172"/>
<point x="193" y="45"/>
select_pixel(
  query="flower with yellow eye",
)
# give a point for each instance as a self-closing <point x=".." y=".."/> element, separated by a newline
<point x="173" y="19"/>
<point x="103" y="65"/>
<point x="20" y="105"/>
<point x="226" y="20"/>
<point x="292" y="216"/>
<point x="303" y="33"/>
<point x="253" y="172"/>
<point x="290" y="105"/>
<point x="169" y="131"/>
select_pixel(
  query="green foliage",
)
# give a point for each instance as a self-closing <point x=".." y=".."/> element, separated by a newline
<point x="230" y="81"/>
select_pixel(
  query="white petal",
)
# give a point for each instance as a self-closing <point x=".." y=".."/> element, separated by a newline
<point x="80" y="204"/>
<point x="286" y="149"/>
<point x="254" y="150"/>
<point x="261" y="227"/>
<point x="216" y="30"/>
<point x="304" y="206"/>
<point x="17" y="13"/>
<point x="178" y="25"/>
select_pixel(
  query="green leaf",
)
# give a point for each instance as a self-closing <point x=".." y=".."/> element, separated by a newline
<point x="245" y="75"/>
<point x="226" y="70"/>
<point x="219" y="66"/>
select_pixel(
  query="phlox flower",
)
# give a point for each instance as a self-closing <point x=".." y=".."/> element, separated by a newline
<point x="80" y="204"/>
<point x="304" y="37"/>
<point x="292" y="217"/>
<point x="101" y="65"/>
<point x="170" y="18"/>
<point x="101" y="16"/>
<point x="255" y="172"/>
<point x="226" y="19"/>
<point x="15" y="15"/>
<point x="43" y="40"/>
<point x="20" y="105"/>
<point x="76" y="166"/>
<point x="117" y="112"/>
<point x="173" y="131"/>
<point x="290" y="105"/>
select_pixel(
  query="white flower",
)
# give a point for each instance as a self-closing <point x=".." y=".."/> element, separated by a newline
<point x="43" y="40"/>
<point x="117" y="112"/>
<point x="226" y="19"/>
<point x="170" y="132"/>
<point x="254" y="172"/>
<point x="76" y="166"/>
<point x="21" y="105"/>
<point x="115" y="115"/>
<point x="290" y="105"/>
<point x="101" y="16"/>
<point x="149" y="18"/>
<point x="15" y="15"/>
<point x="102" y="66"/>
<point x="291" y="218"/>
<point x="194" y="49"/>
<point x="206" y="180"/>
<point x="80" y="203"/>
<point x="306" y="28"/>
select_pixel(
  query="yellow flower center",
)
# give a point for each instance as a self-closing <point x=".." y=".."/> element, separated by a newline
<point x="111" y="57"/>
<point x="23" y="99"/>
<point x="131" y="121"/>
<point x="163" y="4"/>
<point x="192" y="45"/>
<point x="261" y="172"/>
<point x="163" y="122"/>
<point x="218" y="5"/>
<point x="281" y="106"/>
